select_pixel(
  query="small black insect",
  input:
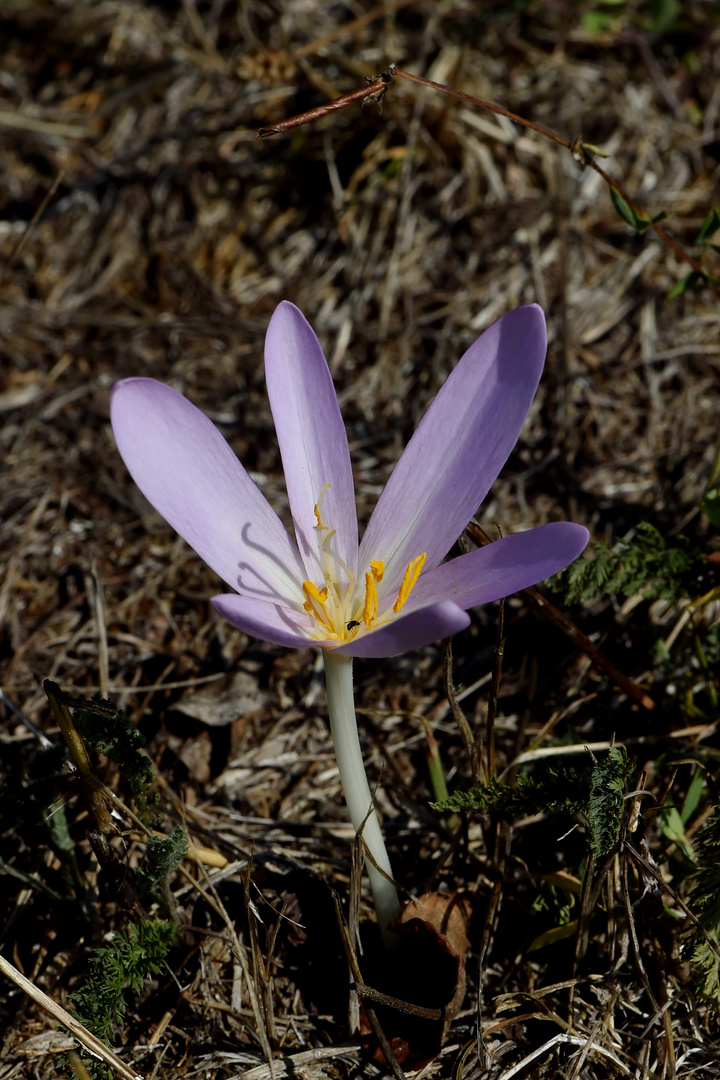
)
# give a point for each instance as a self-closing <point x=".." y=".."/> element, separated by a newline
<point x="352" y="624"/>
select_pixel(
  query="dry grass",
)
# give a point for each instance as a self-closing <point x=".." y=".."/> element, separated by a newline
<point x="166" y="243"/>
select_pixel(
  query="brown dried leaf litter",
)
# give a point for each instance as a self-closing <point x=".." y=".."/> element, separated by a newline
<point x="169" y="240"/>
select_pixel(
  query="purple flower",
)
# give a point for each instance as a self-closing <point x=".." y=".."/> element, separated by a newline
<point x="390" y="593"/>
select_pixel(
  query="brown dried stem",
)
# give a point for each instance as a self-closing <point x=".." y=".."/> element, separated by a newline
<point x="580" y="150"/>
<point x="568" y="627"/>
<point x="374" y="92"/>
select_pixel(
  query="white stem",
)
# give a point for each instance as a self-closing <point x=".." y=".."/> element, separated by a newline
<point x="343" y="725"/>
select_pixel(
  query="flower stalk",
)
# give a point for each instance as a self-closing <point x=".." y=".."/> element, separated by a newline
<point x="343" y="725"/>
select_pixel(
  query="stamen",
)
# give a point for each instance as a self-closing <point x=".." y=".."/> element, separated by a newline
<point x="370" y="609"/>
<point x="412" y="573"/>
<point x="318" y="504"/>
<point x="315" y="604"/>
<point x="328" y="538"/>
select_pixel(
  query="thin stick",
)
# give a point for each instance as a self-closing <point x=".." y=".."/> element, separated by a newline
<point x="211" y="897"/>
<point x="98" y="600"/>
<point x="583" y="642"/>
<point x="661" y="1008"/>
<point x="581" y="151"/>
<point x="503" y="837"/>
<point x="650" y="870"/>
<point x="360" y="986"/>
<point x="39" y="735"/>
<point x="499" y="652"/>
<point x="260" y="970"/>
<point x="88" y="1040"/>
<point x="484" y="105"/>
<point x="374" y="91"/>
<point x="458" y="714"/>
<point x="32" y="223"/>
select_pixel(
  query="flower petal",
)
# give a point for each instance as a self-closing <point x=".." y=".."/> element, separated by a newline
<point x="312" y="439"/>
<point x="270" y="622"/>
<point x="459" y="447"/>
<point x="502" y="568"/>
<point x="410" y="632"/>
<point x="189" y="473"/>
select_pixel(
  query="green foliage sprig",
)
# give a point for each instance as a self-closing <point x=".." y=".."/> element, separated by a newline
<point x="107" y="729"/>
<point x="709" y="227"/>
<point x="648" y="564"/>
<point x="609" y="783"/>
<point x="599" y="794"/>
<point x="135" y="955"/>
<point x="705" y="904"/>
<point x="559" y="790"/>
<point x="162" y="857"/>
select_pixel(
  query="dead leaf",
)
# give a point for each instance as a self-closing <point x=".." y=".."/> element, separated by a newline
<point x="427" y="969"/>
<point x="222" y="702"/>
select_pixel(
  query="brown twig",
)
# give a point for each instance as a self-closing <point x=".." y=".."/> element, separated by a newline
<point x="458" y="714"/>
<point x="501" y="850"/>
<point x="79" y="755"/>
<point x="368" y="992"/>
<point x="374" y="92"/>
<point x="76" y="1029"/>
<point x="40" y="210"/>
<point x="659" y="1008"/>
<point x="361" y="990"/>
<point x="261" y="969"/>
<point x="488" y="105"/>
<point x="492" y="705"/>
<point x="647" y="868"/>
<point x="568" y="627"/>
<point x="580" y="150"/>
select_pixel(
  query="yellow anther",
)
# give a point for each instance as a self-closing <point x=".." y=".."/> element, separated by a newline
<point x="315" y="604"/>
<point x="412" y="573"/>
<point x="375" y="575"/>
<point x="314" y="597"/>
<point x="317" y="508"/>
<point x="370" y="609"/>
<point x="310" y="589"/>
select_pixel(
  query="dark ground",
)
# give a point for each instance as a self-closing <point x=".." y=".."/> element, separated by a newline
<point x="168" y="237"/>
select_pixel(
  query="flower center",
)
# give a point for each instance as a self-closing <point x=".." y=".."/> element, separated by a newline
<point x="339" y="608"/>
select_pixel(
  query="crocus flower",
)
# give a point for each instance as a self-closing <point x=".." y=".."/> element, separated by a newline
<point x="389" y="593"/>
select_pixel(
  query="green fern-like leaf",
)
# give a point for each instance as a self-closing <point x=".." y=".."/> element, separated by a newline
<point x="705" y="904"/>
<point x="648" y="565"/>
<point x="559" y="790"/>
<point x="600" y="795"/>
<point x="107" y="729"/>
<point x="162" y="857"/>
<point x="135" y="954"/>
<point x="608" y="786"/>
